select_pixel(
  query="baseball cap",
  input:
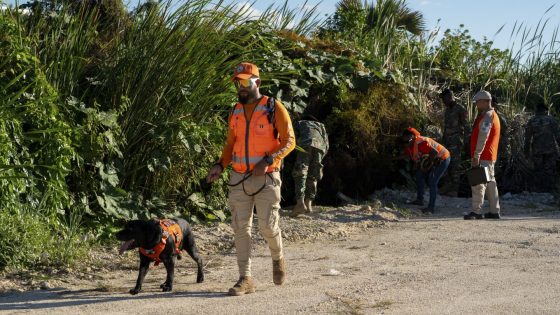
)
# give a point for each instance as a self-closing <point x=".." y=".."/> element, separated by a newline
<point x="245" y="70"/>
<point x="482" y="95"/>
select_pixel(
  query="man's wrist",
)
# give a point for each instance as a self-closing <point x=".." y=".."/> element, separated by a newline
<point x="220" y="165"/>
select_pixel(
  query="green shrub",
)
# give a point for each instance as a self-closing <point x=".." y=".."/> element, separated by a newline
<point x="27" y="240"/>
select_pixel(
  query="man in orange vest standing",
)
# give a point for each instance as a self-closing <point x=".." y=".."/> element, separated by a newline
<point x="260" y="135"/>
<point x="431" y="159"/>
<point x="485" y="138"/>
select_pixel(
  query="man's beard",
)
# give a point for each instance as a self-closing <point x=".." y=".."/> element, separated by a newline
<point x="245" y="98"/>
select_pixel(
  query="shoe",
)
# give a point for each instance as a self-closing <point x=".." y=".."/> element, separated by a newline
<point x="308" y="206"/>
<point x="278" y="271"/>
<point x="472" y="216"/>
<point x="244" y="285"/>
<point x="416" y="202"/>
<point x="490" y="215"/>
<point x="428" y="210"/>
<point x="299" y="208"/>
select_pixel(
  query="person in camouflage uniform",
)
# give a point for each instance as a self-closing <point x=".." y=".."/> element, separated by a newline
<point x="308" y="169"/>
<point x="503" y="147"/>
<point x="542" y="138"/>
<point x="455" y="132"/>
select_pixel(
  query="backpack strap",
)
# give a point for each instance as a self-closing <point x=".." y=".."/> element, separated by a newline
<point x="271" y="110"/>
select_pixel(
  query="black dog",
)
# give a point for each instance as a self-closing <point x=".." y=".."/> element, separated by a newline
<point x="159" y="236"/>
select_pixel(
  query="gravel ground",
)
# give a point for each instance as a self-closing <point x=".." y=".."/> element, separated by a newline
<point x="377" y="257"/>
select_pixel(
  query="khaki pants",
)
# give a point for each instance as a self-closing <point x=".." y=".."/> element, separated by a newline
<point x="491" y="190"/>
<point x="241" y="206"/>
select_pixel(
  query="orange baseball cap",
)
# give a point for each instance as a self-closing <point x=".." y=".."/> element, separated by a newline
<point x="245" y="70"/>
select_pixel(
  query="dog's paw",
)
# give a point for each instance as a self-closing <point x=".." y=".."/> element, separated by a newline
<point x="134" y="291"/>
<point x="163" y="285"/>
<point x="166" y="288"/>
<point x="200" y="279"/>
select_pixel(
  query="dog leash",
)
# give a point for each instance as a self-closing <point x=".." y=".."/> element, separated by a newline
<point x="245" y="177"/>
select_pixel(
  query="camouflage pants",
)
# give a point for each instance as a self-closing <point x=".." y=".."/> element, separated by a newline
<point x="307" y="172"/>
<point x="545" y="172"/>
<point x="453" y="172"/>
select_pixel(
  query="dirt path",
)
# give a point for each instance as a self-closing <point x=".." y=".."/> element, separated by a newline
<point x="423" y="265"/>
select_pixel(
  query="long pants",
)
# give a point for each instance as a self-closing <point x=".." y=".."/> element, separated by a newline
<point x="433" y="177"/>
<point x="490" y="189"/>
<point x="545" y="172"/>
<point x="307" y="172"/>
<point x="451" y="180"/>
<point x="241" y="206"/>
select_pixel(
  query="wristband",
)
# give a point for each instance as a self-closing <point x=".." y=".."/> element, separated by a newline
<point x="269" y="160"/>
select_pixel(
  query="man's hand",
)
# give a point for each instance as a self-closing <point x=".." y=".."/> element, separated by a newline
<point x="260" y="168"/>
<point x="214" y="173"/>
<point x="475" y="162"/>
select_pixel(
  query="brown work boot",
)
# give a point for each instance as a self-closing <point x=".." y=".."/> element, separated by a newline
<point x="278" y="271"/>
<point x="244" y="285"/>
<point x="299" y="208"/>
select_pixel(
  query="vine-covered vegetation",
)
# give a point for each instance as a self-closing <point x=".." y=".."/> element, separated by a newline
<point x="108" y="114"/>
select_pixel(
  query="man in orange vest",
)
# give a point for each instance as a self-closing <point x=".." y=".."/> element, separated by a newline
<point x="431" y="158"/>
<point x="485" y="138"/>
<point x="260" y="135"/>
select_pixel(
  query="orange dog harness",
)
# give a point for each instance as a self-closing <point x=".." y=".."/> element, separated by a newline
<point x="170" y="229"/>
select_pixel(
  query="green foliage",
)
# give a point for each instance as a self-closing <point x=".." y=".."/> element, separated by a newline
<point x="28" y="240"/>
<point x="363" y="132"/>
<point x="107" y="115"/>
<point x="462" y="59"/>
<point x="36" y="153"/>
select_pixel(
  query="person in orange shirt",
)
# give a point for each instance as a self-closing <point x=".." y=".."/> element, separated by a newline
<point x="260" y="135"/>
<point x="431" y="159"/>
<point x="485" y="138"/>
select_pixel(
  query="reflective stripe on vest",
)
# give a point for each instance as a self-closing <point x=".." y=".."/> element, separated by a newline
<point x="443" y="153"/>
<point x="254" y="139"/>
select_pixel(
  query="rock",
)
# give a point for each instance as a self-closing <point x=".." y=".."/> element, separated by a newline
<point x="45" y="285"/>
<point x="366" y="208"/>
<point x="376" y="204"/>
<point x="507" y="196"/>
<point x="343" y="197"/>
<point x="333" y="272"/>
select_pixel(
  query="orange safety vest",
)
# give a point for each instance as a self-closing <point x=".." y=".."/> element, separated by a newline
<point x="490" y="151"/>
<point x="170" y="228"/>
<point x="254" y="139"/>
<point x="443" y="153"/>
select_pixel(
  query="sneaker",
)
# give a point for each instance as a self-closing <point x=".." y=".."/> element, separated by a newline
<point x="416" y="202"/>
<point x="428" y="210"/>
<point x="472" y="216"/>
<point x="244" y="285"/>
<point x="278" y="271"/>
<point x="490" y="215"/>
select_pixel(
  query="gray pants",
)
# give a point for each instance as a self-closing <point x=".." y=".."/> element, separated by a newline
<point x="490" y="189"/>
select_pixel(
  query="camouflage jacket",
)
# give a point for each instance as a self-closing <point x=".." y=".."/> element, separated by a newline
<point x="503" y="147"/>
<point x="456" y="127"/>
<point x="542" y="135"/>
<point x="312" y="134"/>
